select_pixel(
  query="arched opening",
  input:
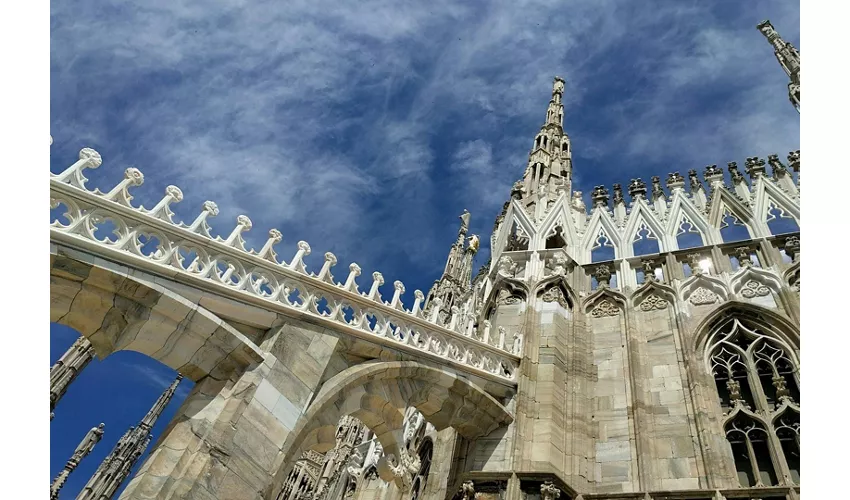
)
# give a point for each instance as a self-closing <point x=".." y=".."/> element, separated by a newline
<point x="517" y="239"/>
<point x="117" y="391"/>
<point x="687" y="235"/>
<point x="732" y="229"/>
<point x="751" y="451"/>
<point x="645" y="241"/>
<point x="374" y="392"/>
<point x="787" y="428"/>
<point x="756" y="371"/>
<point x="602" y="249"/>
<point x="780" y="222"/>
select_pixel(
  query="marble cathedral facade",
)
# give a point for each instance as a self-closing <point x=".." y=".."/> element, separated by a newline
<point x="648" y="348"/>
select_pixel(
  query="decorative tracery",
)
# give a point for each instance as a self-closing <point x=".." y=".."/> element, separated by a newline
<point x="602" y="249"/>
<point x="645" y="240"/>
<point x="687" y="234"/>
<point x="779" y="221"/>
<point x="755" y="374"/>
<point x="732" y="229"/>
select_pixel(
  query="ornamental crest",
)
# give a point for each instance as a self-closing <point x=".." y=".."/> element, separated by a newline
<point x="555" y="294"/>
<point x="605" y="308"/>
<point x="703" y="296"/>
<point x="653" y="302"/>
<point x="753" y="288"/>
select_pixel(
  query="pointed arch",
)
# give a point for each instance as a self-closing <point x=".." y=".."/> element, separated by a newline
<point x="559" y="216"/>
<point x="653" y="288"/>
<point x="728" y="213"/>
<point x="699" y="288"/>
<point x="569" y="294"/>
<point x="764" y="318"/>
<point x="682" y="209"/>
<point x="517" y="291"/>
<point x="597" y="300"/>
<point x="741" y="286"/>
<point x="643" y="220"/>
<point x="600" y="225"/>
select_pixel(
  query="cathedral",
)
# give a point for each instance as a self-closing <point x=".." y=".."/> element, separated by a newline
<point x="642" y="346"/>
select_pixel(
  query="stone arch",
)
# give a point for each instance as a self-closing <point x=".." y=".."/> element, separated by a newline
<point x="642" y="214"/>
<point x="561" y="281"/>
<point x="117" y="311"/>
<point x="762" y="317"/>
<point x="697" y="283"/>
<point x="513" y="286"/>
<point x="740" y="283"/>
<point x="652" y="288"/>
<point x="378" y="393"/>
<point x="597" y="298"/>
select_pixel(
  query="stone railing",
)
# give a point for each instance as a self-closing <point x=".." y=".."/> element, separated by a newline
<point x="151" y="240"/>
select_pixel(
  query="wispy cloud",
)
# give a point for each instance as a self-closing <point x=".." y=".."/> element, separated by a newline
<point x="366" y="127"/>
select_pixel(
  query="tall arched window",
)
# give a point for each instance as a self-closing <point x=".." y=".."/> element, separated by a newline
<point x="426" y="452"/>
<point x="758" y="388"/>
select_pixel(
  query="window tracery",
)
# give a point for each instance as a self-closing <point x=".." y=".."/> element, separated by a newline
<point x="780" y="222"/>
<point x="645" y="240"/>
<point x="602" y="248"/>
<point x="687" y="234"/>
<point x="732" y="228"/>
<point x="756" y="375"/>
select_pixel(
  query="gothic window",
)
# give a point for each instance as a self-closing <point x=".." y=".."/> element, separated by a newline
<point x="788" y="432"/>
<point x="779" y="222"/>
<point x="645" y="241"/>
<point x="602" y="248"/>
<point x="732" y="229"/>
<point x="426" y="452"/>
<point x="687" y="235"/>
<point x="754" y="373"/>
<point x="750" y="448"/>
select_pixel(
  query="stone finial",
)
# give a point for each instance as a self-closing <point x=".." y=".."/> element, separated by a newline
<point x="88" y="158"/>
<point x="637" y="188"/>
<point x="657" y="191"/>
<point x="792" y="248"/>
<point x="133" y="177"/>
<point x="743" y="256"/>
<point x="618" y="194"/>
<point x="712" y="174"/>
<point x="766" y="29"/>
<point x="675" y="181"/>
<point x="599" y="196"/>
<point x="210" y="207"/>
<point x="754" y="167"/>
<point x="297" y="261"/>
<point x="548" y="491"/>
<point x="558" y="85"/>
<point x="243" y="223"/>
<point x="694" y="180"/>
<point x="267" y="252"/>
<point x="794" y="160"/>
<point x="736" y="174"/>
<point x="777" y="166"/>
<point x="603" y="276"/>
<point x="91" y="158"/>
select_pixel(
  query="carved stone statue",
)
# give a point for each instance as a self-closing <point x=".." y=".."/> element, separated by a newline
<point x="467" y="490"/>
<point x="577" y="203"/>
<point x="474" y="243"/>
<point x="603" y="276"/>
<point x="548" y="491"/>
<point x="87" y="444"/>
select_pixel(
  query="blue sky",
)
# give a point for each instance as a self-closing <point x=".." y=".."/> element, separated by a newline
<point x="365" y="128"/>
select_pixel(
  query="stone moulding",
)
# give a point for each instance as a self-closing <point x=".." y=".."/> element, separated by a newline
<point x="224" y="266"/>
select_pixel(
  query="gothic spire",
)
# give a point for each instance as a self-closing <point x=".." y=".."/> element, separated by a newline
<point x="117" y="465"/>
<point x="555" y="113"/>
<point x="457" y="275"/>
<point x="788" y="57"/>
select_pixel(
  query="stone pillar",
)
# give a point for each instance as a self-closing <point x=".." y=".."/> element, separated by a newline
<point x="67" y="368"/>
<point x="85" y="447"/>
<point x="226" y="440"/>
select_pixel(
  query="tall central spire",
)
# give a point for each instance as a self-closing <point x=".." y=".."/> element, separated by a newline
<point x="549" y="169"/>
<point x="457" y="276"/>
